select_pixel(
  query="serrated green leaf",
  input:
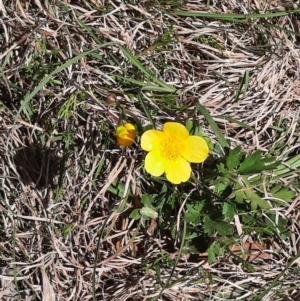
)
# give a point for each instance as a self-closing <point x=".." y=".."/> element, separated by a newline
<point x="256" y="200"/>
<point x="147" y="200"/>
<point x="146" y="211"/>
<point x="239" y="196"/>
<point x="275" y="189"/>
<point x="239" y="193"/>
<point x="222" y="168"/>
<point x="208" y="225"/>
<point x="228" y="210"/>
<point x="191" y="235"/>
<point x="216" y="248"/>
<point x="219" y="187"/>
<point x="223" y="228"/>
<point x="255" y="163"/>
<point x="280" y="223"/>
<point x="234" y="158"/>
<point x="192" y="217"/>
<point x="250" y="161"/>
<point x="211" y="255"/>
<point x="285" y="194"/>
<point x="135" y="214"/>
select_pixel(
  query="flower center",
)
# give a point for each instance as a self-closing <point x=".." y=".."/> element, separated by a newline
<point x="170" y="148"/>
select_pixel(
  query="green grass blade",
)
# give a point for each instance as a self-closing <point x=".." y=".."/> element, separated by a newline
<point x="147" y="112"/>
<point x="167" y="284"/>
<point x="6" y="60"/>
<point x="137" y="63"/>
<point x="234" y="17"/>
<point x="233" y="120"/>
<point x="243" y="85"/>
<point x="45" y="80"/>
<point x="144" y="85"/>
<point x="276" y="280"/>
<point x="213" y="125"/>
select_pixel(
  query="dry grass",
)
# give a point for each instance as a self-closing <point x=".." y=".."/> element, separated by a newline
<point x="66" y="186"/>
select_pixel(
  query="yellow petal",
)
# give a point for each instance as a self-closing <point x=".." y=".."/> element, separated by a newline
<point x="125" y="141"/>
<point x="195" y="149"/>
<point x="129" y="126"/>
<point x="176" y="130"/>
<point x="178" y="171"/>
<point x="154" y="164"/>
<point x="150" y="140"/>
<point x="121" y="131"/>
<point x="131" y="130"/>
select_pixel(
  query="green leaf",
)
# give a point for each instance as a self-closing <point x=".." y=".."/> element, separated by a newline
<point x="238" y="193"/>
<point x="117" y="188"/>
<point x="239" y="196"/>
<point x="211" y="255"/>
<point x="214" y="250"/>
<point x="135" y="214"/>
<point x="284" y="194"/>
<point x="228" y="210"/>
<point x="222" y="168"/>
<point x="190" y="235"/>
<point x="220" y="187"/>
<point x="280" y="223"/>
<point x="189" y="124"/>
<point x="147" y="200"/>
<point x="255" y="163"/>
<point x="208" y="226"/>
<point x="223" y="228"/>
<point x="256" y="200"/>
<point x="148" y="212"/>
<point x="192" y="217"/>
<point x="250" y="161"/>
<point x="234" y="158"/>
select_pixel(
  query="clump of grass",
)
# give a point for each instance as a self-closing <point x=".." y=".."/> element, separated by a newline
<point x="80" y="217"/>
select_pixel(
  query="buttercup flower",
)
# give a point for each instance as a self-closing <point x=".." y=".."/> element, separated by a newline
<point x="125" y="134"/>
<point x="171" y="151"/>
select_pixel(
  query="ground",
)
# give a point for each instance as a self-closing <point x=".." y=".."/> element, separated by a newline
<point x="81" y="218"/>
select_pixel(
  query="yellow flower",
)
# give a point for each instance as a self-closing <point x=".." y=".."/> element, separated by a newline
<point x="171" y="150"/>
<point x="126" y="134"/>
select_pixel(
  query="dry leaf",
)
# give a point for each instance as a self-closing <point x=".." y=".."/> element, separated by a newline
<point x="152" y="227"/>
<point x="250" y="251"/>
<point x="48" y="292"/>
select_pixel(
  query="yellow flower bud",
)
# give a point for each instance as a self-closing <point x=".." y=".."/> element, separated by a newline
<point x="126" y="134"/>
